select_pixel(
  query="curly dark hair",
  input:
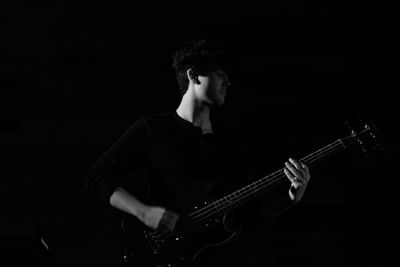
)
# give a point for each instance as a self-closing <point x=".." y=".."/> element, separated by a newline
<point x="203" y="56"/>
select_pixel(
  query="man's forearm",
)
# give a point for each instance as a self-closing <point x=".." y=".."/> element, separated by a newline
<point x="125" y="201"/>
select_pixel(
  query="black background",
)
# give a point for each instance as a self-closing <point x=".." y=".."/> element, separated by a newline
<point x="76" y="74"/>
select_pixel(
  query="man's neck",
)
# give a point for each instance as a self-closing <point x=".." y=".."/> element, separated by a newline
<point x="196" y="113"/>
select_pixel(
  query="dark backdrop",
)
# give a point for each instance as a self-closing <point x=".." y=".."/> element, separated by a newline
<point x="76" y="74"/>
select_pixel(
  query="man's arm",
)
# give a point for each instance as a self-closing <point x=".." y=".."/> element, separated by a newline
<point x="105" y="178"/>
<point x="127" y="154"/>
<point x="152" y="216"/>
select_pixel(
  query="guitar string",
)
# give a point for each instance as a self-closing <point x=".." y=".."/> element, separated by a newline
<point x="262" y="184"/>
<point x="249" y="190"/>
<point x="220" y="205"/>
<point x="262" y="180"/>
<point x="312" y="158"/>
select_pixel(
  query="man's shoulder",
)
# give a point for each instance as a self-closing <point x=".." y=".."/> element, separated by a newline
<point x="158" y="121"/>
<point x="159" y="118"/>
<point x="150" y="124"/>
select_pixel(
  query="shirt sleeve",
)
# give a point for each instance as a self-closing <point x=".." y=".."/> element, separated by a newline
<point x="127" y="154"/>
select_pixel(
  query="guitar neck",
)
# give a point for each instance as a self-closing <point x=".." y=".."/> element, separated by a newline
<point x="249" y="192"/>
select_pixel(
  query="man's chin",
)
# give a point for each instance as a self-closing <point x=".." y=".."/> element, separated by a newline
<point x="218" y="103"/>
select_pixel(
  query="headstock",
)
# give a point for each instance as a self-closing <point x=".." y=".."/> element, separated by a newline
<point x="366" y="135"/>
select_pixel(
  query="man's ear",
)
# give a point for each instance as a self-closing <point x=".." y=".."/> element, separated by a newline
<point x="192" y="75"/>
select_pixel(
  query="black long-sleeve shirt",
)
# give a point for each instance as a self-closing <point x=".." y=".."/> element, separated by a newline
<point x="174" y="153"/>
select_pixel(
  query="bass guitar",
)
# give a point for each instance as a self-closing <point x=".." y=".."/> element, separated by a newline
<point x="206" y="224"/>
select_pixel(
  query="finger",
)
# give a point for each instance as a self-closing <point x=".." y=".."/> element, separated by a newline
<point x="172" y="216"/>
<point x="300" y="177"/>
<point x="297" y="178"/>
<point x="170" y="224"/>
<point x="290" y="176"/>
<point x="171" y="213"/>
<point x="302" y="180"/>
<point x="305" y="173"/>
<point x="299" y="172"/>
<point x="164" y="225"/>
<point x="306" y="169"/>
<point x="292" y="169"/>
<point x="169" y="219"/>
<point x="297" y="165"/>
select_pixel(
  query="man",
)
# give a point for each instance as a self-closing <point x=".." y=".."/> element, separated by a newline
<point x="177" y="149"/>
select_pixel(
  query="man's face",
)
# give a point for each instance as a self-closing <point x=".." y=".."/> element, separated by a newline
<point x="213" y="87"/>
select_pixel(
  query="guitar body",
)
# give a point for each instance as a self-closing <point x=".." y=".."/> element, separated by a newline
<point x="185" y="245"/>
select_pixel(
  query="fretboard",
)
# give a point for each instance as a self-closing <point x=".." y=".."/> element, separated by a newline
<point x="249" y="192"/>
